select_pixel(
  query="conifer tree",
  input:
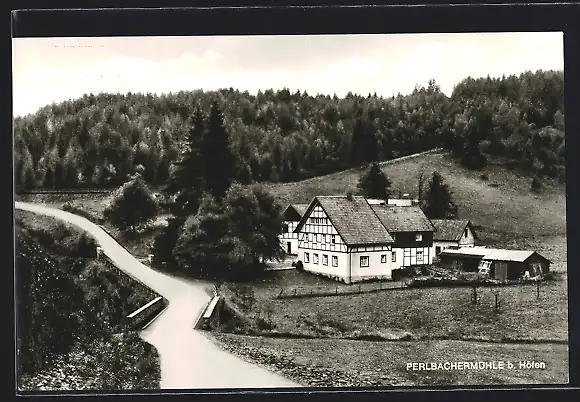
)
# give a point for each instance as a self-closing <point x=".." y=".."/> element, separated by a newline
<point x="187" y="183"/>
<point x="375" y="183"/>
<point x="220" y="165"/>
<point x="438" y="200"/>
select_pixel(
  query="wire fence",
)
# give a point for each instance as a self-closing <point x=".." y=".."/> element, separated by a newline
<point x="337" y="290"/>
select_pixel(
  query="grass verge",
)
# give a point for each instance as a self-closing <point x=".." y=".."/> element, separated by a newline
<point x="350" y="363"/>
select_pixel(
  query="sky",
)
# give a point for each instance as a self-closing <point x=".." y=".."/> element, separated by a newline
<point x="47" y="70"/>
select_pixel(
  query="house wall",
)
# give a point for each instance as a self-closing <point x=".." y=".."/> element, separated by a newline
<point x="339" y="272"/>
<point x="406" y="247"/>
<point x="319" y="236"/>
<point x="407" y="256"/>
<point x="443" y="245"/>
<point x="376" y="269"/>
<point x="467" y="239"/>
<point x="288" y="235"/>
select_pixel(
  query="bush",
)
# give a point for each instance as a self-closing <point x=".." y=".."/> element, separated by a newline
<point x="73" y="209"/>
<point x="133" y="205"/>
<point x="484" y="177"/>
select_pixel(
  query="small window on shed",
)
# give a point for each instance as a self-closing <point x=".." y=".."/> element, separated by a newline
<point x="465" y="234"/>
<point x="418" y="237"/>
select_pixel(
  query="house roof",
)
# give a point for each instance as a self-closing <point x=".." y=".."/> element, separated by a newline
<point x="494" y="254"/>
<point x="295" y="211"/>
<point x="300" y="208"/>
<point x="449" y="229"/>
<point x="354" y="219"/>
<point x="403" y="219"/>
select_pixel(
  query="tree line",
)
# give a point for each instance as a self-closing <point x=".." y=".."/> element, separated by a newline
<point x="101" y="140"/>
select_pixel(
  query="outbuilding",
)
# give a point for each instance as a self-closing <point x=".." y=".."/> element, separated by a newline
<point x="499" y="264"/>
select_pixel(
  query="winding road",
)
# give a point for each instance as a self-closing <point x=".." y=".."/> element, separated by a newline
<point x="189" y="360"/>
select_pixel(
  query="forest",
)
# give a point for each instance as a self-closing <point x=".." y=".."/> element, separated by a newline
<point x="99" y="141"/>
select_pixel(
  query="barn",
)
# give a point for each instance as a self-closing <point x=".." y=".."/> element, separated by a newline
<point x="499" y="264"/>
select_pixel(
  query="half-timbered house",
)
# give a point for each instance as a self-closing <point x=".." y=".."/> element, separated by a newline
<point x="341" y="237"/>
<point x="412" y="233"/>
<point x="288" y="238"/>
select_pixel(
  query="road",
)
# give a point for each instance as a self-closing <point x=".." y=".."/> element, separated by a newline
<point x="189" y="360"/>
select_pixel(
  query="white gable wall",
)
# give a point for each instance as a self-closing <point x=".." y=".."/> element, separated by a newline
<point x="289" y="236"/>
<point x="467" y="239"/>
<point x="319" y="237"/>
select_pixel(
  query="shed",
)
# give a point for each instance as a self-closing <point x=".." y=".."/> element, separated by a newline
<point x="500" y="264"/>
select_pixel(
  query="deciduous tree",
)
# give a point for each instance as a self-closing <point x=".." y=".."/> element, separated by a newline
<point x="132" y="205"/>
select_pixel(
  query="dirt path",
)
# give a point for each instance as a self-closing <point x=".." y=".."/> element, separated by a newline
<point x="189" y="360"/>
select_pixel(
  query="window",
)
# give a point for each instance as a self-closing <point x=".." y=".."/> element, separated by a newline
<point x="394" y="257"/>
<point x="364" y="261"/>
<point x="318" y="237"/>
<point x="285" y="228"/>
<point x="334" y="261"/>
<point x="310" y="237"/>
<point x="419" y="256"/>
<point x="419" y="237"/>
<point x="465" y="234"/>
<point x="324" y="238"/>
<point x="307" y="257"/>
<point x="383" y="259"/>
<point x="324" y="259"/>
<point x="315" y="258"/>
<point x="333" y="239"/>
<point x="437" y="250"/>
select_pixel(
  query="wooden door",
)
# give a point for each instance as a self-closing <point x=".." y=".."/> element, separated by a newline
<point x="501" y="269"/>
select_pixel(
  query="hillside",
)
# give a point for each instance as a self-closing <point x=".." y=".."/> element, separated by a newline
<point x="70" y="314"/>
<point x="502" y="207"/>
<point x="278" y="136"/>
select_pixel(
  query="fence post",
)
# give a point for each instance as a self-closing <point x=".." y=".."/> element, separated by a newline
<point x="537" y="289"/>
<point x="474" y="296"/>
<point x="359" y="288"/>
<point x="336" y="289"/>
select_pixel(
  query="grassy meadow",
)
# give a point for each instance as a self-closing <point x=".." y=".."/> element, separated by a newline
<point x="339" y="362"/>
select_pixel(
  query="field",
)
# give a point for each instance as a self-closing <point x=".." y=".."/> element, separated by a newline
<point x="409" y="313"/>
